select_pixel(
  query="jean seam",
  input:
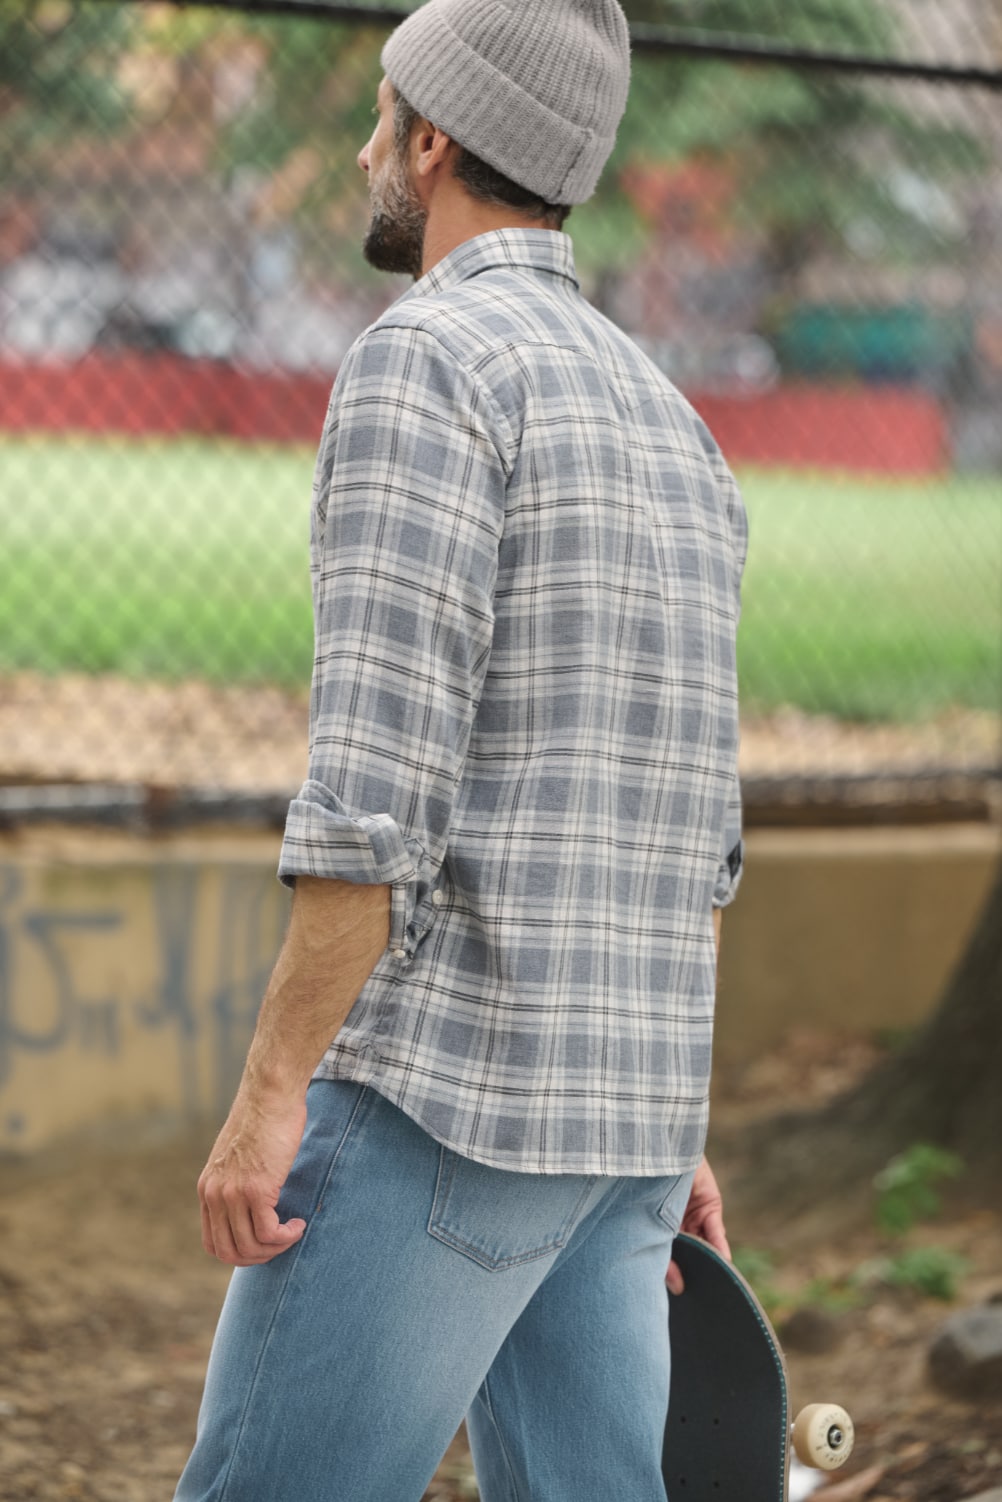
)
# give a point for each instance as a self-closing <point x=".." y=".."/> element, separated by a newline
<point x="363" y="1095"/>
<point x="673" y="1222"/>
<point x="509" y="1467"/>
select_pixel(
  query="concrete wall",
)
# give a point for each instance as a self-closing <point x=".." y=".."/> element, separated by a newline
<point x="852" y="930"/>
<point x="130" y="975"/>
<point x="131" y="968"/>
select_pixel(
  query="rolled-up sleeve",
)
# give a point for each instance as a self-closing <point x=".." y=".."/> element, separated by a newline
<point x="733" y="856"/>
<point x="408" y="514"/>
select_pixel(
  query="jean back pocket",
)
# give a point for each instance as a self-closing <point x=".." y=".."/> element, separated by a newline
<point x="500" y="1218"/>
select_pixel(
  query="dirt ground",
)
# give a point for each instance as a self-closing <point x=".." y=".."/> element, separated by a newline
<point x="107" y="1306"/>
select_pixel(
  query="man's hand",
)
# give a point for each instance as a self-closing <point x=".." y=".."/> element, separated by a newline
<point x="239" y="1186"/>
<point x="704" y="1216"/>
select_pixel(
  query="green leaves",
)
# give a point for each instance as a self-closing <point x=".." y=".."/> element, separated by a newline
<point x="847" y="25"/>
<point x="906" y="1188"/>
<point x="930" y="1270"/>
<point x="57" y="72"/>
<point x="820" y="160"/>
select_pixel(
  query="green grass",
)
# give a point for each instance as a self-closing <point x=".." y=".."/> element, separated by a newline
<point x="872" y="599"/>
<point x="865" y="599"/>
<point x="168" y="559"/>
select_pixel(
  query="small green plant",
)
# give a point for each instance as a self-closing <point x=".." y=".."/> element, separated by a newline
<point x="906" y="1191"/>
<point x="835" y="1295"/>
<point x="931" y="1270"/>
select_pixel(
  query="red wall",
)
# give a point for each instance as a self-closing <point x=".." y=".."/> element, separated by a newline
<point x="889" y="430"/>
<point x="883" y="429"/>
<point x="161" y="394"/>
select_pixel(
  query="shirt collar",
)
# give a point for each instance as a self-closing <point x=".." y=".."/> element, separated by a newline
<point x="534" y="249"/>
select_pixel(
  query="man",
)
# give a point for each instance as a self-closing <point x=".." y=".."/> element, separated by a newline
<point x="520" y="819"/>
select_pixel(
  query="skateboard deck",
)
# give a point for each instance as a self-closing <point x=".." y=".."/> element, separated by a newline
<point x="727" y="1437"/>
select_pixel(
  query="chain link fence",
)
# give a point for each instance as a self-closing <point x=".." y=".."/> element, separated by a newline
<point x="801" y="225"/>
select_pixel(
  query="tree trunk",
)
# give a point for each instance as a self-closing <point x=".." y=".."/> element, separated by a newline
<point x="944" y="1087"/>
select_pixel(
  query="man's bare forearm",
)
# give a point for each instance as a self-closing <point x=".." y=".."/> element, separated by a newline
<point x="337" y="931"/>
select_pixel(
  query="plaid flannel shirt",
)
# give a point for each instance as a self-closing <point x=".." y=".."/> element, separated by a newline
<point x="526" y="561"/>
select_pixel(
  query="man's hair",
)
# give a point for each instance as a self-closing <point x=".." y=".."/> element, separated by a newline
<point x="478" y="178"/>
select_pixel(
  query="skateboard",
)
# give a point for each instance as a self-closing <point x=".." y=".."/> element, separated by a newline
<point x="728" y="1432"/>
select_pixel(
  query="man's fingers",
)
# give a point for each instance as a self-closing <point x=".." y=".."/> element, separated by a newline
<point x="270" y="1231"/>
<point x="243" y="1232"/>
<point x="257" y="1231"/>
<point x="709" y="1226"/>
<point x="207" y="1239"/>
<point x="674" y="1279"/>
<point x="223" y="1245"/>
<point x="241" y="1223"/>
<point x="714" y="1233"/>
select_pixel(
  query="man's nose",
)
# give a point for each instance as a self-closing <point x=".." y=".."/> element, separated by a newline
<point x="363" y="157"/>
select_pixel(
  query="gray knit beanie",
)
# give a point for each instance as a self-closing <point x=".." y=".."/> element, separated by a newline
<point x="535" y="88"/>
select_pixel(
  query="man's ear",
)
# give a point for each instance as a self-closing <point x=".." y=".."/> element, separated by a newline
<point x="431" y="149"/>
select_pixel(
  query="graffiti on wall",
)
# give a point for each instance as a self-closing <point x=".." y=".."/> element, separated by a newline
<point x="180" y="955"/>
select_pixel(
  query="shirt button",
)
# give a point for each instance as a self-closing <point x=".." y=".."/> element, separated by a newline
<point x="437" y="898"/>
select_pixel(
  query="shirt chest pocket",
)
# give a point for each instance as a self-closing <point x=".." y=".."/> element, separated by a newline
<point x="501" y="1219"/>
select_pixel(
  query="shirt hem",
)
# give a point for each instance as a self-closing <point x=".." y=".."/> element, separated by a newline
<point x="361" y="1071"/>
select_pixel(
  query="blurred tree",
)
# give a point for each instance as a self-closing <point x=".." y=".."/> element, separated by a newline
<point x="49" y="85"/>
<point x="279" y="106"/>
<point x="942" y="1087"/>
<point x="860" y="26"/>
<point x="946" y="1085"/>
<point x="305" y="126"/>
<point x="817" y="158"/>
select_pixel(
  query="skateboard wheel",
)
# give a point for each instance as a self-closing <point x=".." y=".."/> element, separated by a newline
<point x="823" y="1436"/>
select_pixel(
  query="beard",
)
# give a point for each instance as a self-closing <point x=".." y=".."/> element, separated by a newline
<point x="394" y="240"/>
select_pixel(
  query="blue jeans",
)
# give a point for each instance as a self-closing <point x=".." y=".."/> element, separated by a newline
<point x="427" y="1288"/>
